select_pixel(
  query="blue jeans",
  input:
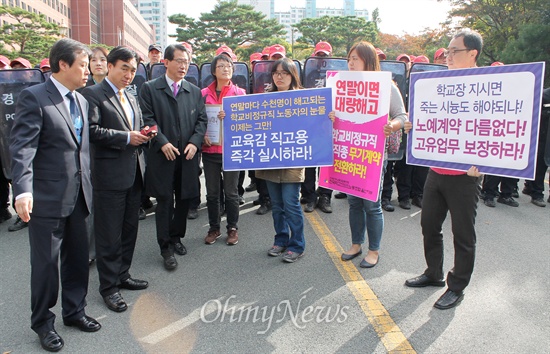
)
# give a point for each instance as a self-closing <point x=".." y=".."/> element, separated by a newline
<point x="287" y="214"/>
<point x="365" y="215"/>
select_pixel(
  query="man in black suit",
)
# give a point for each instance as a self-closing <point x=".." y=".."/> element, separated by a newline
<point x="117" y="174"/>
<point x="177" y="107"/>
<point x="49" y="146"/>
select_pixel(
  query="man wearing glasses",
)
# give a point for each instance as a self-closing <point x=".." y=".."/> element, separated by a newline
<point x="451" y="191"/>
<point x="177" y="108"/>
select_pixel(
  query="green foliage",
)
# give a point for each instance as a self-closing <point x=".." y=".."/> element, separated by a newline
<point x="30" y="37"/>
<point x="533" y="44"/>
<point x="498" y="21"/>
<point x="237" y="26"/>
<point x="340" y="31"/>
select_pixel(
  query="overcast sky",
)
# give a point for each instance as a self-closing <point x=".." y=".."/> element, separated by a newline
<point x="398" y="16"/>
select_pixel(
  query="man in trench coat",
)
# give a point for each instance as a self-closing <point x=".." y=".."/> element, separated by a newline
<point x="177" y="108"/>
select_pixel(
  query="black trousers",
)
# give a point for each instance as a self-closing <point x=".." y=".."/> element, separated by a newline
<point x="4" y="190"/>
<point x="536" y="187"/>
<point x="308" y="190"/>
<point x="116" y="222"/>
<point x="457" y="195"/>
<point x="171" y="221"/>
<point x="52" y="239"/>
<point x="491" y="183"/>
<point x="261" y="187"/>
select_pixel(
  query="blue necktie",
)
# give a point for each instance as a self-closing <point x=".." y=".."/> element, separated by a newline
<point x="75" y="116"/>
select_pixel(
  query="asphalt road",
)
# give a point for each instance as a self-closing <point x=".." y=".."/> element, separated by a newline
<point x="238" y="300"/>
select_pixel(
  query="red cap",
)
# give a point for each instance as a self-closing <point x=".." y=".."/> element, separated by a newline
<point x="497" y="63"/>
<point x="225" y="49"/>
<point x="22" y="61"/>
<point x="412" y="57"/>
<point x="265" y="53"/>
<point x="4" y="60"/>
<point x="380" y="54"/>
<point x="439" y="53"/>
<point x="188" y="47"/>
<point x="255" y="57"/>
<point x="401" y="56"/>
<point x="277" y="49"/>
<point x="421" y="59"/>
<point x="323" y="47"/>
<point x="45" y="63"/>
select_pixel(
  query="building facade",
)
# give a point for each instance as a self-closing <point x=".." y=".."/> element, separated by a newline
<point x="155" y="12"/>
<point x="297" y="14"/>
<point x="267" y="7"/>
<point x="109" y="22"/>
<point x="55" y="11"/>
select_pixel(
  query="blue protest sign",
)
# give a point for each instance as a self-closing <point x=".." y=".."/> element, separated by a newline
<point x="278" y="130"/>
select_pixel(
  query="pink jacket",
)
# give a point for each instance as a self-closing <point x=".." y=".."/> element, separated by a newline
<point x="210" y="97"/>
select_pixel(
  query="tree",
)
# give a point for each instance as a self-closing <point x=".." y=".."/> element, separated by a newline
<point x="30" y="36"/>
<point x="533" y="44"/>
<point x="237" y="26"/>
<point x="498" y="21"/>
<point x="340" y="31"/>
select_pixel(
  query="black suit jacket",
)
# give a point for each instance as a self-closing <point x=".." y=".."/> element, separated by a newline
<point x="114" y="161"/>
<point x="181" y="120"/>
<point x="47" y="160"/>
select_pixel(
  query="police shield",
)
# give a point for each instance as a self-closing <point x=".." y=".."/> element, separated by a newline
<point x="157" y="70"/>
<point x="12" y="82"/>
<point x="545" y="121"/>
<point x="422" y="67"/>
<point x="399" y="74"/>
<point x="192" y="76"/>
<point x="261" y="75"/>
<point x="240" y="78"/>
<point x="315" y="70"/>
<point x="139" y="79"/>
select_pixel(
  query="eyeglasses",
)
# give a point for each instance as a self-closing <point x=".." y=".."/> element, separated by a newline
<point x="452" y="52"/>
<point x="280" y="73"/>
<point x="224" y="67"/>
<point x="181" y="62"/>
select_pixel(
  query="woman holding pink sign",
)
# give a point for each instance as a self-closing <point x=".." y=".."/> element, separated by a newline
<point x="365" y="215"/>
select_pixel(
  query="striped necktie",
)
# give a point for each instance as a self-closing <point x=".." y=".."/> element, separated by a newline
<point x="124" y="104"/>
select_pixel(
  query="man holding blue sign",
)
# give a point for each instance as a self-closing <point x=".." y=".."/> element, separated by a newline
<point x="451" y="191"/>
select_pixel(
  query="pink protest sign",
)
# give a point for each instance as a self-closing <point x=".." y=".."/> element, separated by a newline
<point x="361" y="102"/>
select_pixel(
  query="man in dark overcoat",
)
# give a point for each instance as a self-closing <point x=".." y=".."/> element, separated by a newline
<point x="177" y="108"/>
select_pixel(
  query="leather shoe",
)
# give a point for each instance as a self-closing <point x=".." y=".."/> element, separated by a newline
<point x="449" y="300"/>
<point x="309" y="207"/>
<point x="170" y="262"/>
<point x="405" y="204"/>
<point x="133" y="284"/>
<point x="349" y="257"/>
<point x="142" y="214"/>
<point x="115" y="302"/>
<point x="84" y="323"/>
<point x="18" y="225"/>
<point x="51" y="341"/>
<point x="423" y="281"/>
<point x="365" y="264"/>
<point x="192" y="214"/>
<point x="180" y="249"/>
<point x="387" y="206"/>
